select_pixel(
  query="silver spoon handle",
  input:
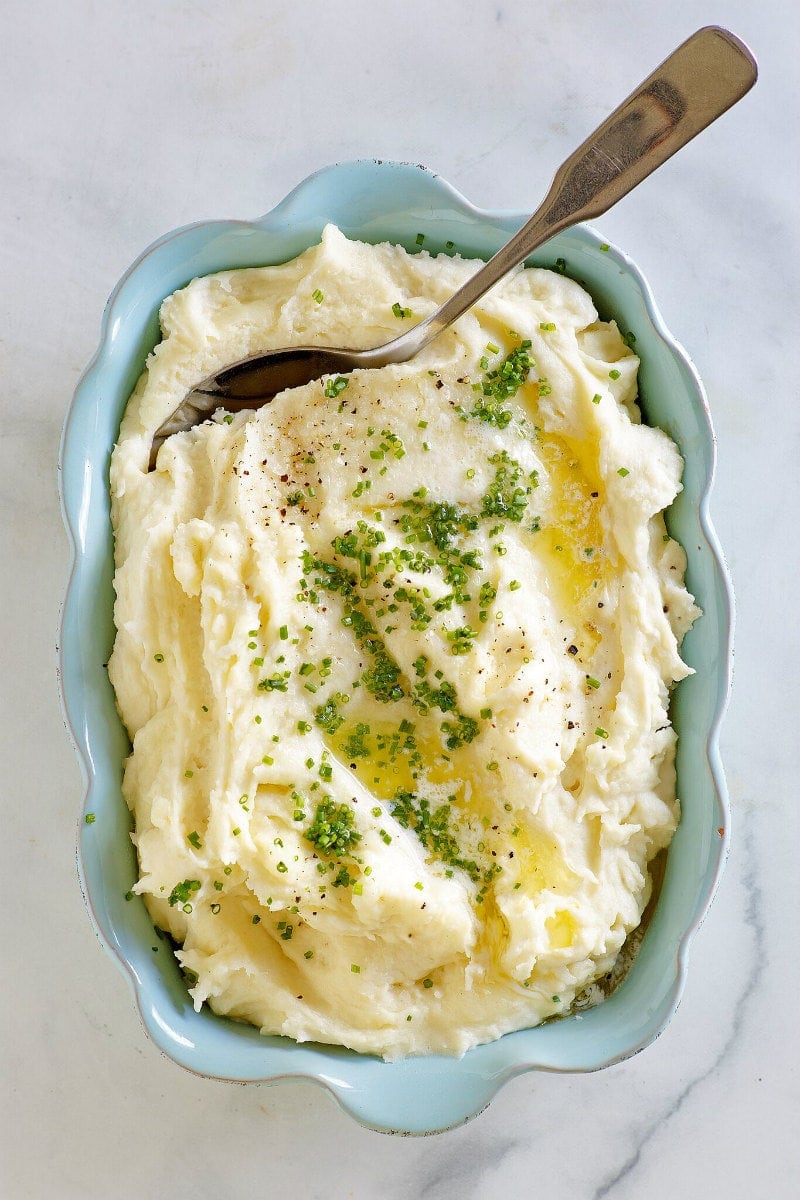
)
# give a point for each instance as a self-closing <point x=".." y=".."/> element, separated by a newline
<point x="697" y="83"/>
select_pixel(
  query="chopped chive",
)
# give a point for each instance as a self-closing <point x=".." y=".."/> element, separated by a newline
<point x="334" y="386"/>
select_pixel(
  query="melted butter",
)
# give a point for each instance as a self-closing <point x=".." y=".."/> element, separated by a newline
<point x="571" y="538"/>
<point x="540" y="863"/>
<point x="424" y="767"/>
<point x="561" y="929"/>
<point x="394" y="762"/>
<point x="492" y="938"/>
<point x="487" y="834"/>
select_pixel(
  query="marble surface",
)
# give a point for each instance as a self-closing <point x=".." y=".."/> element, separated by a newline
<point x="124" y="120"/>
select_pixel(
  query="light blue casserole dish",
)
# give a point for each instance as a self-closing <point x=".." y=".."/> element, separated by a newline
<point x="378" y="201"/>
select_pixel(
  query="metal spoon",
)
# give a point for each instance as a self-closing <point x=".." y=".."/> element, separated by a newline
<point x="695" y="85"/>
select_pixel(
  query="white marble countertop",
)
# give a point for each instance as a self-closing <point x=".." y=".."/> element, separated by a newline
<point x="124" y="120"/>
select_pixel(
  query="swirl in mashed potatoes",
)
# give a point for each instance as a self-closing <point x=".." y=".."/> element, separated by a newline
<point x="395" y="654"/>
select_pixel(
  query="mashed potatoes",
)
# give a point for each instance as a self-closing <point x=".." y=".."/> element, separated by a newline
<point x="395" y="653"/>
